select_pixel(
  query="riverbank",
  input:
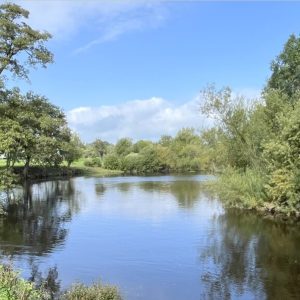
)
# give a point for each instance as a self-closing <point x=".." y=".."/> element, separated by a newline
<point x="247" y="191"/>
<point x="40" y="172"/>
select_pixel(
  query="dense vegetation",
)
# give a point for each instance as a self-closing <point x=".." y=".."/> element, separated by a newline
<point x="186" y="152"/>
<point x="260" y="140"/>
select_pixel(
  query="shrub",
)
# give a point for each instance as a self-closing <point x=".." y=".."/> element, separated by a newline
<point x="96" y="291"/>
<point x="92" y="162"/>
<point x="12" y="287"/>
<point x="112" y="162"/>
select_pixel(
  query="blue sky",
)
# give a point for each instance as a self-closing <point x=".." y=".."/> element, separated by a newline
<point x="135" y="68"/>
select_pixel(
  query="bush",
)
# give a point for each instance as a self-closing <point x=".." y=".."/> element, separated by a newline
<point x="112" y="162"/>
<point x="92" y="162"/>
<point x="12" y="287"/>
<point x="131" y="163"/>
<point x="96" y="291"/>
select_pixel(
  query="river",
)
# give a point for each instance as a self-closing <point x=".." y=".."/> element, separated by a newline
<point x="160" y="237"/>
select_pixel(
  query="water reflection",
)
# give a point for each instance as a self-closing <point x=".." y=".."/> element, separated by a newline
<point x="173" y="237"/>
<point x="185" y="192"/>
<point x="252" y="258"/>
<point x="36" y="217"/>
<point x="48" y="281"/>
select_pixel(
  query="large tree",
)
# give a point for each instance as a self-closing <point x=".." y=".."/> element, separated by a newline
<point x="20" y="45"/>
<point x="31" y="129"/>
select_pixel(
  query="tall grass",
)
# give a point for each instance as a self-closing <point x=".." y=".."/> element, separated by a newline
<point x="242" y="189"/>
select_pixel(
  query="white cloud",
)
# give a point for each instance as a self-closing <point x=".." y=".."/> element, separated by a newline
<point x="138" y="119"/>
<point x="109" y="18"/>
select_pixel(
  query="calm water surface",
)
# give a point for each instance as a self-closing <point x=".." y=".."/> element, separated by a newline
<point x="156" y="238"/>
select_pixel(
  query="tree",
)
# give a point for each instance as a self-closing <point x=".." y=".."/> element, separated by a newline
<point x="139" y="145"/>
<point x="11" y="131"/>
<point x="232" y="116"/>
<point x="286" y="69"/>
<point x="39" y="129"/>
<point x="165" y="140"/>
<point x="20" y="45"/>
<point x="123" y="147"/>
<point x="100" y="147"/>
<point x="73" y="149"/>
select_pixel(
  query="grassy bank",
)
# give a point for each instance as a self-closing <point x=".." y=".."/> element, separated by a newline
<point x="13" y="287"/>
<point x="249" y="190"/>
<point x="39" y="172"/>
<point x="94" y="171"/>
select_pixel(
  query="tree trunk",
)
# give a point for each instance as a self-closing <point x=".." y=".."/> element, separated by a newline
<point x="26" y="168"/>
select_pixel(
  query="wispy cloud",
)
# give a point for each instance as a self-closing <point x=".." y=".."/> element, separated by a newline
<point x="109" y="19"/>
<point x="138" y="119"/>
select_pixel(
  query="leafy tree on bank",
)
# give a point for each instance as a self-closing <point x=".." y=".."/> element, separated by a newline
<point x="40" y="127"/>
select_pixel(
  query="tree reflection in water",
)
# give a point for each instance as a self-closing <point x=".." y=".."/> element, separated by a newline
<point x="36" y="217"/>
<point x="186" y="192"/>
<point x="251" y="257"/>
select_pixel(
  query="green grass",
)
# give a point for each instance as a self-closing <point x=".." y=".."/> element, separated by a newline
<point x="94" y="171"/>
<point x="242" y="189"/>
<point x="78" y="167"/>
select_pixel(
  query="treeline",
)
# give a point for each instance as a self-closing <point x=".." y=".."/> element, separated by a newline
<point x="259" y="141"/>
<point x="186" y="152"/>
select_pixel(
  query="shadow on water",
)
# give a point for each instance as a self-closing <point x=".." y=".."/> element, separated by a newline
<point x="252" y="258"/>
<point x="36" y="216"/>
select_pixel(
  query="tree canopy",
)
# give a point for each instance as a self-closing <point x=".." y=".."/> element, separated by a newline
<point x="20" y="45"/>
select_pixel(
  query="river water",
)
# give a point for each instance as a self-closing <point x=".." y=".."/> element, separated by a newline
<point x="161" y="237"/>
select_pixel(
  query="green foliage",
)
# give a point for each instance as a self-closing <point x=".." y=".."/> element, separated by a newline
<point x="95" y="292"/>
<point x="286" y="69"/>
<point x="183" y="153"/>
<point x="12" y="287"/>
<point x="100" y="147"/>
<point x="261" y="141"/>
<point x="150" y="161"/>
<point x="32" y="130"/>
<point x="112" y="162"/>
<point x="242" y="189"/>
<point x="123" y="147"/>
<point x="7" y="178"/>
<point x="282" y="154"/>
<point x="20" y="45"/>
<point x="92" y="162"/>
<point x="131" y="163"/>
<point x="73" y="149"/>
